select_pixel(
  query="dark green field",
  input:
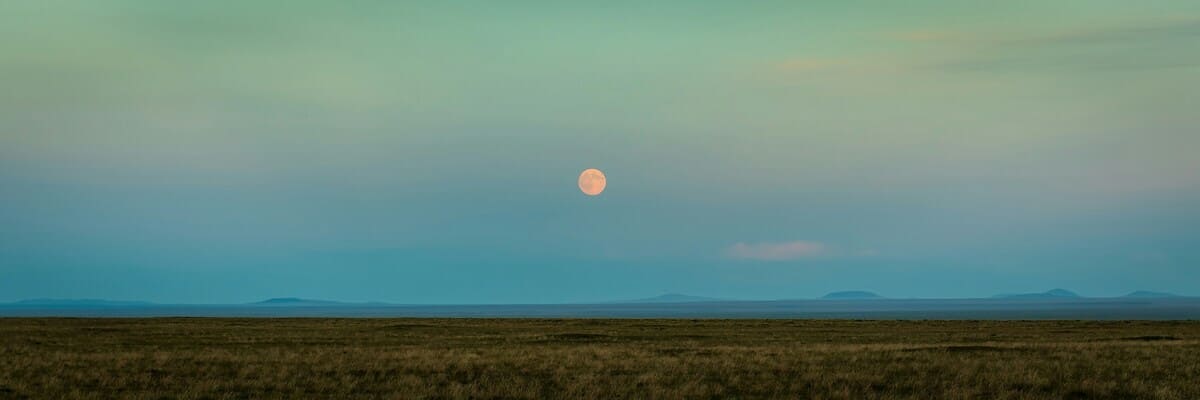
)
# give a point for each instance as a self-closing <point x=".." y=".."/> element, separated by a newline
<point x="596" y="359"/>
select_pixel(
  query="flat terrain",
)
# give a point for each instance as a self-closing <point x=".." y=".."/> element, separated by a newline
<point x="596" y="359"/>
<point x="1112" y="308"/>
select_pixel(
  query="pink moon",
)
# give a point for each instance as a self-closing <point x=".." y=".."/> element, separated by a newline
<point x="592" y="182"/>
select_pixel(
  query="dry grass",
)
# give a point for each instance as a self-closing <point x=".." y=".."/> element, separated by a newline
<point x="596" y="359"/>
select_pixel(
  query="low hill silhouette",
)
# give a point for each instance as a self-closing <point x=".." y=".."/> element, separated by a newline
<point x="296" y="301"/>
<point x="675" y="298"/>
<point x="851" y="295"/>
<point x="1049" y="294"/>
<point x="1146" y="294"/>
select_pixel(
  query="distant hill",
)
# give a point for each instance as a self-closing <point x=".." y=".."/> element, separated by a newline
<point x="675" y="298"/>
<point x="295" y="301"/>
<point x="81" y="303"/>
<point x="1049" y="294"/>
<point x="851" y="295"/>
<point x="1146" y="294"/>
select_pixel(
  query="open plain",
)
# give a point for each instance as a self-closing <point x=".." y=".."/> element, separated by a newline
<point x="195" y="358"/>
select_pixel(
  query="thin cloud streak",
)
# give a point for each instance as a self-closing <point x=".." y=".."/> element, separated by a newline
<point x="777" y="251"/>
<point x="1142" y="31"/>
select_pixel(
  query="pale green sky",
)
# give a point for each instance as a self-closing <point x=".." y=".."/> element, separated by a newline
<point x="225" y="151"/>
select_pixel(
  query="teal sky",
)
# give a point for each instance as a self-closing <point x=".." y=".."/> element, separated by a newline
<point x="228" y="151"/>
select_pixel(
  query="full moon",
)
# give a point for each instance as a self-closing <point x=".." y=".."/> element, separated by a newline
<point x="592" y="181"/>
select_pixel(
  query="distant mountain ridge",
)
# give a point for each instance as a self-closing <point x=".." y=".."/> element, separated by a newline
<point x="851" y="295"/>
<point x="56" y="303"/>
<point x="296" y="301"/>
<point x="1146" y="294"/>
<point x="1057" y="293"/>
<point x="675" y="298"/>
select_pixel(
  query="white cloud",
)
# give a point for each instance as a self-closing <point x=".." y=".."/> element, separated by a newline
<point x="777" y="251"/>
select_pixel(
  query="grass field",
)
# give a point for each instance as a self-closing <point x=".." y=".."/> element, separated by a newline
<point x="596" y="359"/>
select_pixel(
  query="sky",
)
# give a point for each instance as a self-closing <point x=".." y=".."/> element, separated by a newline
<point x="427" y="152"/>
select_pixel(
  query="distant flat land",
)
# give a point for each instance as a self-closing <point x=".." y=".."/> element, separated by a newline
<point x="1114" y="308"/>
<point x="596" y="358"/>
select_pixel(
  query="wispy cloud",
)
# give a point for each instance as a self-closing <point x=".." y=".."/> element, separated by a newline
<point x="805" y="64"/>
<point x="925" y="35"/>
<point x="1154" y="31"/>
<point x="1131" y="46"/>
<point x="768" y="251"/>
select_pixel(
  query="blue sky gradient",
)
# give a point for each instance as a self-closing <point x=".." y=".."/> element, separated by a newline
<point x="218" y="152"/>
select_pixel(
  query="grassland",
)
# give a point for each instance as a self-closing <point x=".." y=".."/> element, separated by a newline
<point x="596" y="359"/>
